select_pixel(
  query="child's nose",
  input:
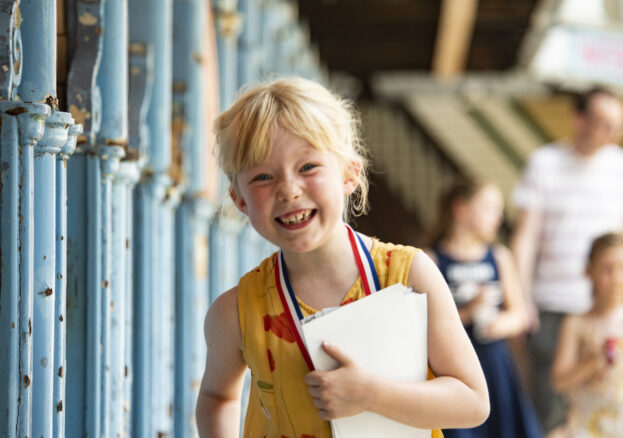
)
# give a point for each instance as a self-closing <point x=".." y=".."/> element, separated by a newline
<point x="289" y="189"/>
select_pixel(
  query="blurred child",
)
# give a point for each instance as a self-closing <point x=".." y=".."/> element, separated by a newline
<point x="484" y="284"/>
<point x="292" y="155"/>
<point x="588" y="365"/>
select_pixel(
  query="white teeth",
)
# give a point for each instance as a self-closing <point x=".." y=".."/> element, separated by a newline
<point x="296" y="218"/>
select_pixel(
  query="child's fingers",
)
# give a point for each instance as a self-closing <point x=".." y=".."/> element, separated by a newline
<point x="313" y="379"/>
<point x="337" y="354"/>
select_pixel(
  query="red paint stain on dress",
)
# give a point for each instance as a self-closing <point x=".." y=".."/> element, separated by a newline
<point x="271" y="360"/>
<point x="279" y="326"/>
<point x="345" y="302"/>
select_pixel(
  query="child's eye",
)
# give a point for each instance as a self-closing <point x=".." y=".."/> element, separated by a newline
<point x="307" y="167"/>
<point x="261" y="177"/>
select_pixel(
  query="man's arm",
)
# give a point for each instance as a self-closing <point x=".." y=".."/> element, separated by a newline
<point x="524" y="245"/>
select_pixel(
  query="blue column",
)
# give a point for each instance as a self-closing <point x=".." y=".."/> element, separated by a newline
<point x="142" y="305"/>
<point x="192" y="254"/>
<point x="224" y="252"/>
<point x="54" y="138"/>
<point x="154" y="203"/>
<point x="251" y="249"/>
<point x="22" y="127"/>
<point x="191" y="246"/>
<point x="60" y="349"/>
<point x="10" y="238"/>
<point x="249" y="49"/>
<point x="112" y="140"/>
<point x="10" y="272"/>
<point x="39" y="47"/>
<point x="10" y="49"/>
<point x="140" y="87"/>
<point x="39" y="85"/>
<point x="141" y="65"/>
<point x="109" y="158"/>
<point x="84" y="224"/>
<point x="121" y="294"/>
<point x="273" y="18"/>
<point x="228" y="25"/>
<point x="129" y="173"/>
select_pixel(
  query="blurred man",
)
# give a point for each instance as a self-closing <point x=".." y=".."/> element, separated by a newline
<point x="570" y="193"/>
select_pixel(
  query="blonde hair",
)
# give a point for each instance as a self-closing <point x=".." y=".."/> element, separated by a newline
<point x="245" y="132"/>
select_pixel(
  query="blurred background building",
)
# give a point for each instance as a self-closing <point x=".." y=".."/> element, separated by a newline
<point x="115" y="231"/>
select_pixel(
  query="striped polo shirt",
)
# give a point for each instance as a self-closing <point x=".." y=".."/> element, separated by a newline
<point x="580" y="198"/>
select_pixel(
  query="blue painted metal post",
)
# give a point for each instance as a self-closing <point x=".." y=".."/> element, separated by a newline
<point x="251" y="249"/>
<point x="109" y="159"/>
<point x="9" y="271"/>
<point x="249" y="49"/>
<point x="194" y="213"/>
<point x="142" y="306"/>
<point x="164" y="323"/>
<point x="228" y="23"/>
<point x="224" y="265"/>
<point x="61" y="282"/>
<point x="128" y="177"/>
<point x="10" y="238"/>
<point x="273" y="18"/>
<point x="54" y="138"/>
<point x="27" y="270"/>
<point x="140" y="86"/>
<point x="112" y="138"/>
<point x="121" y="295"/>
<point x="155" y="200"/>
<point x="84" y="244"/>
<point x="39" y="85"/>
<point x="22" y="127"/>
<point x="39" y="47"/>
<point x="10" y="49"/>
<point x="192" y="252"/>
<point x="224" y="260"/>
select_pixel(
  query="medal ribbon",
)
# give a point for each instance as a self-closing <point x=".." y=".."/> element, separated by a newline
<point x="369" y="281"/>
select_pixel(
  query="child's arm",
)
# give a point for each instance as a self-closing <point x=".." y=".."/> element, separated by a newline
<point x="572" y="367"/>
<point x="512" y="320"/>
<point x="218" y="405"/>
<point x="457" y="397"/>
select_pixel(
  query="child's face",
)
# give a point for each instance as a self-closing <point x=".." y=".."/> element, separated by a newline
<point x="294" y="199"/>
<point x="606" y="273"/>
<point x="484" y="212"/>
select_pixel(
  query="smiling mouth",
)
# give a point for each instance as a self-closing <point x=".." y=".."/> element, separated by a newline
<point x="297" y="218"/>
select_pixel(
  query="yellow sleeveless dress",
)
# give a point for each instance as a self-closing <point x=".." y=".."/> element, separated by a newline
<point x="279" y="403"/>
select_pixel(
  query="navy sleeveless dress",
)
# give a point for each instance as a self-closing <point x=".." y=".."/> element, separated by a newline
<point x="512" y="413"/>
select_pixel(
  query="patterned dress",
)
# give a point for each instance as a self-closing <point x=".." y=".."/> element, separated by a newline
<point x="596" y="409"/>
<point x="279" y="403"/>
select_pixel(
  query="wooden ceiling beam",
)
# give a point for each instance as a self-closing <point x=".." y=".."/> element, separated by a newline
<point x="454" y="35"/>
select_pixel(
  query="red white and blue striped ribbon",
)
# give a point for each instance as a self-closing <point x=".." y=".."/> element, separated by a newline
<point x="369" y="281"/>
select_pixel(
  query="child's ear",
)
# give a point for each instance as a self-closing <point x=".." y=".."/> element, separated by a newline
<point x="238" y="200"/>
<point x="351" y="176"/>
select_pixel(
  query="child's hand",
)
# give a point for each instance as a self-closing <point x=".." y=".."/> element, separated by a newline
<point x="341" y="392"/>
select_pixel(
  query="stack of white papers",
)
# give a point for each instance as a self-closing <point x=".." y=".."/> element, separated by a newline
<point x="386" y="333"/>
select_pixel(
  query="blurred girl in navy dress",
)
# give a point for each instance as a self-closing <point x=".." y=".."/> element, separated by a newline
<point x="485" y="286"/>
